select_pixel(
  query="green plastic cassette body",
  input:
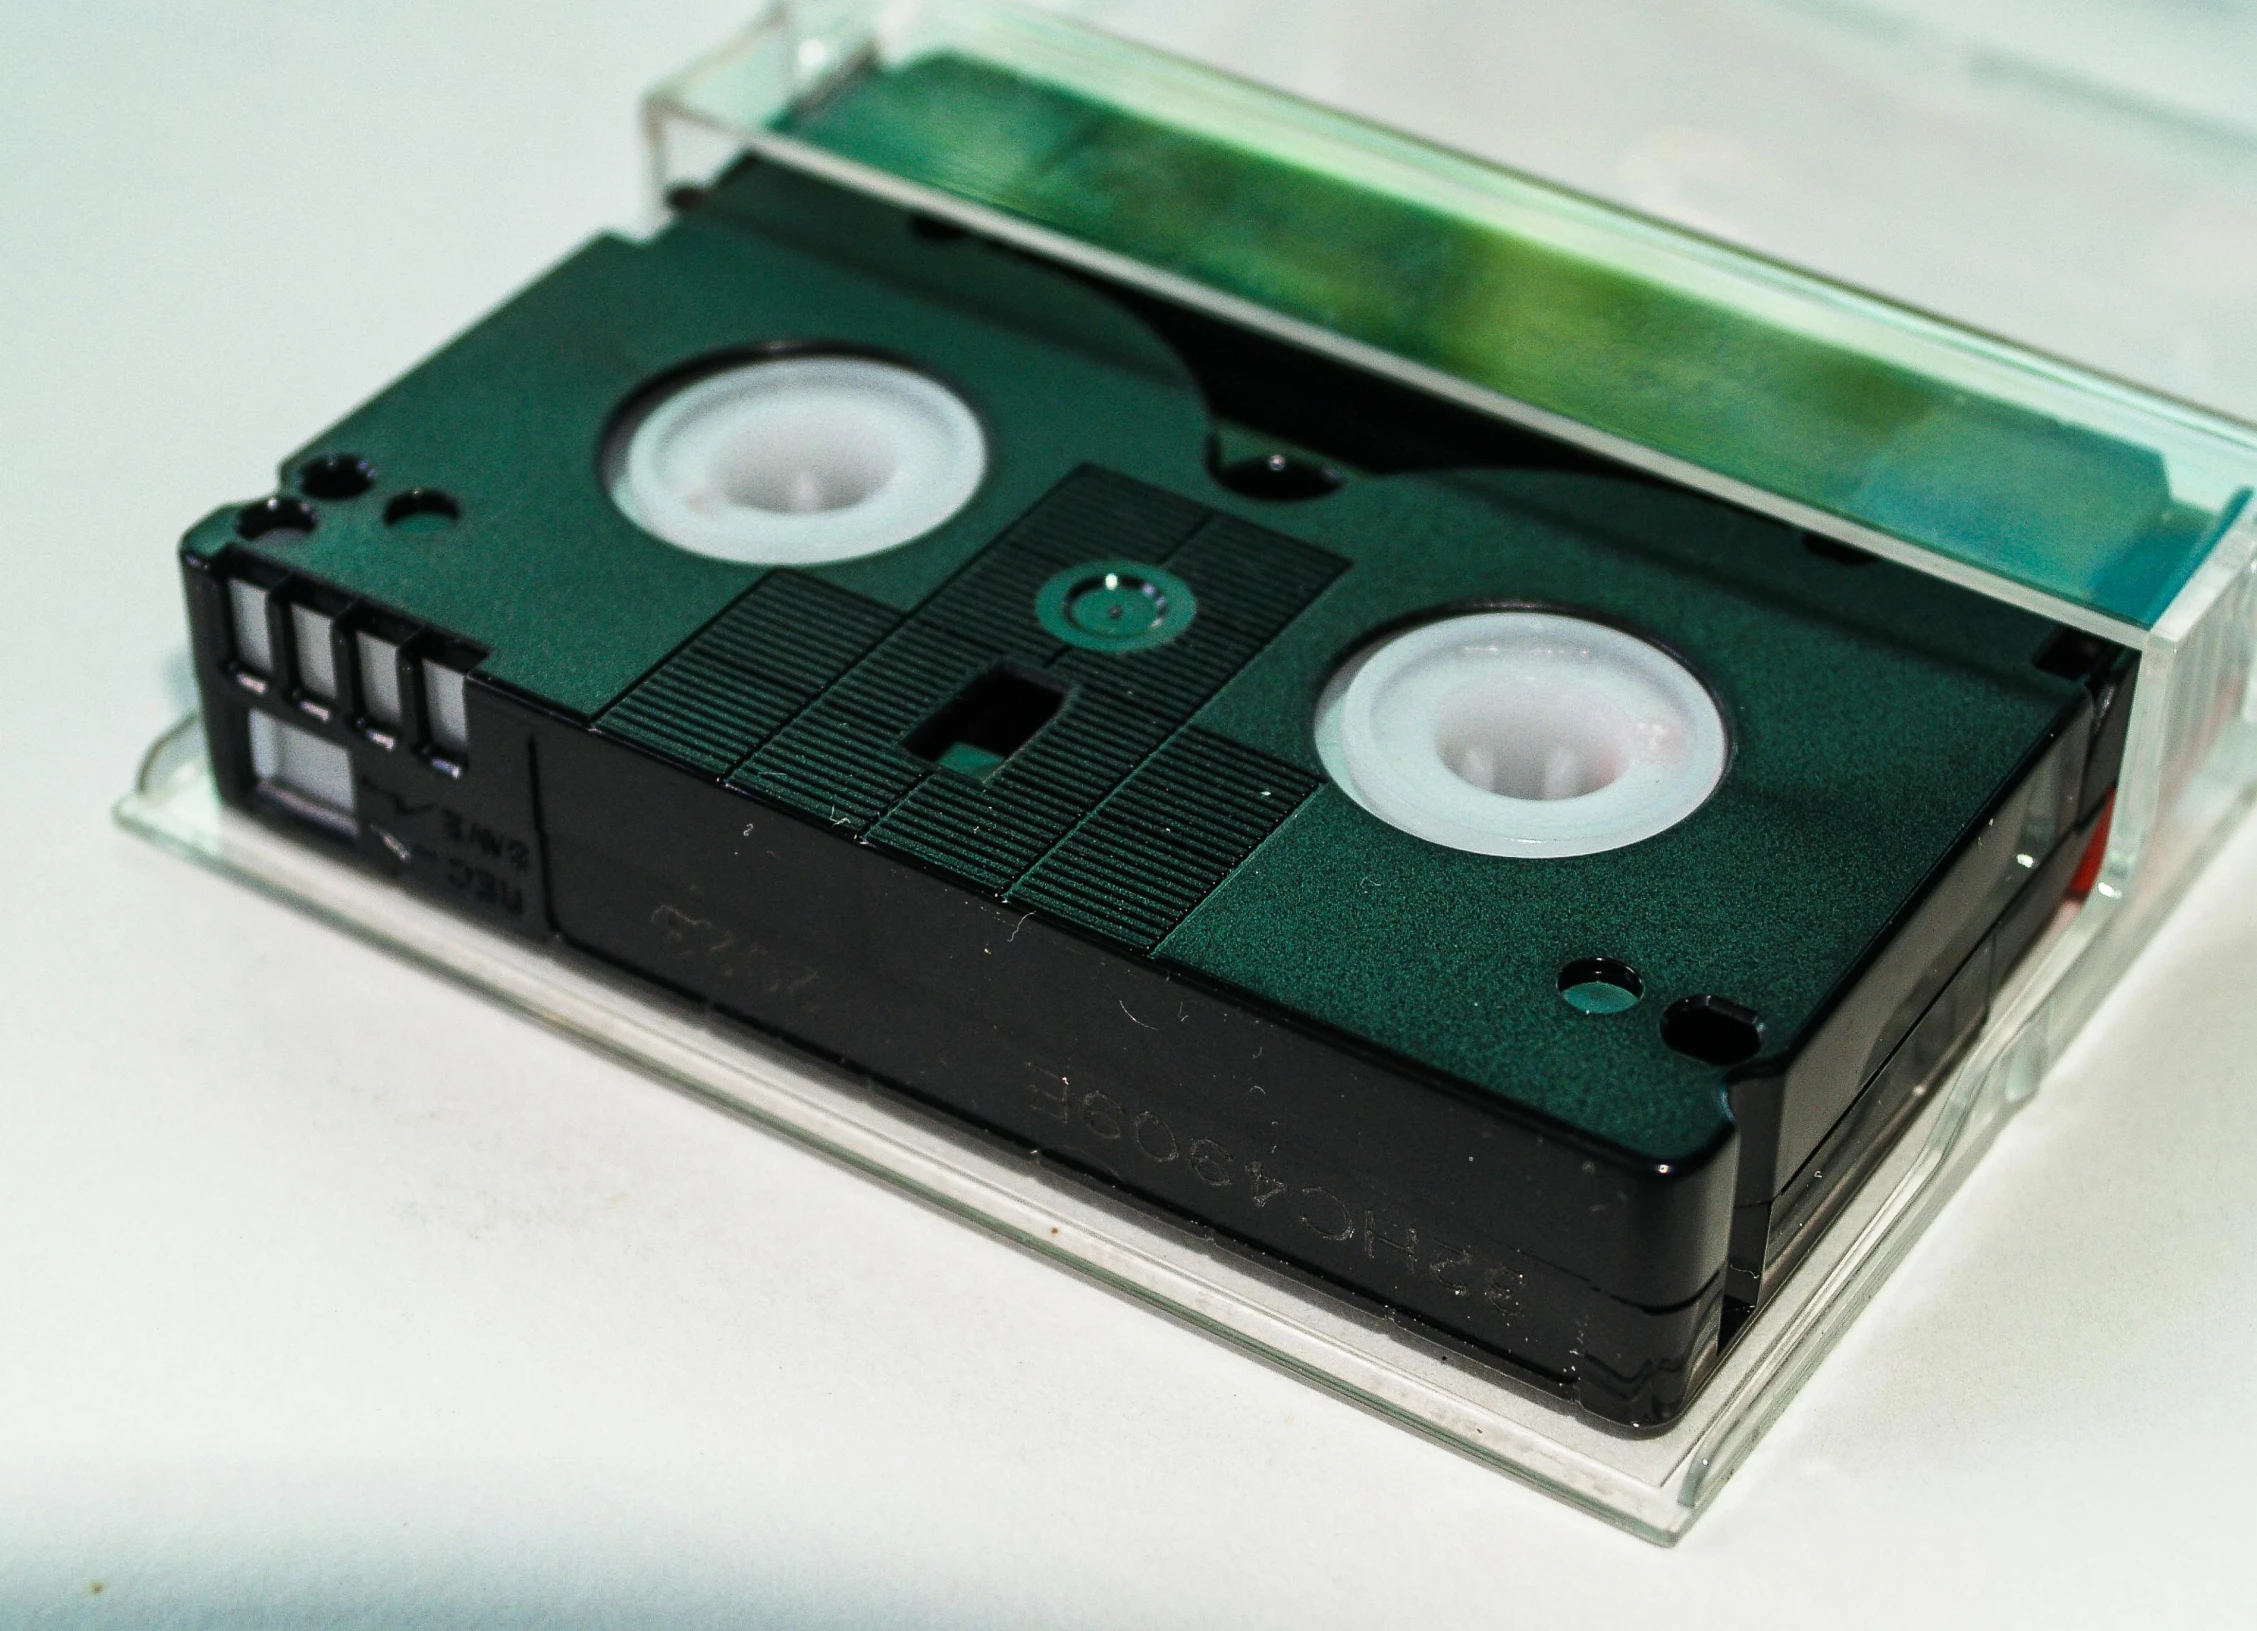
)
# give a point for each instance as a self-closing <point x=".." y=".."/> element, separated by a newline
<point x="930" y="814"/>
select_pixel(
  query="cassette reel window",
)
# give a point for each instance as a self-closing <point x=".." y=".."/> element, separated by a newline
<point x="795" y="459"/>
<point x="1485" y="883"/>
<point x="1521" y="732"/>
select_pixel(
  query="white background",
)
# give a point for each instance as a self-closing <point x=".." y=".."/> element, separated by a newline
<point x="331" y="1295"/>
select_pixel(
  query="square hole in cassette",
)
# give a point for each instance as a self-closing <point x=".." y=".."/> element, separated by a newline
<point x="446" y="708"/>
<point x="383" y="703"/>
<point x="303" y="774"/>
<point x="312" y="639"/>
<point x="988" y="721"/>
<point x="253" y="610"/>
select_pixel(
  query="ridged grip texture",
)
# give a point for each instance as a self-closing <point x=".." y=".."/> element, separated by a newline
<point x="1114" y="815"/>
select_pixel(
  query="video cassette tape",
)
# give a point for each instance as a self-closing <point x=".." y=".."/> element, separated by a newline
<point x="1491" y="882"/>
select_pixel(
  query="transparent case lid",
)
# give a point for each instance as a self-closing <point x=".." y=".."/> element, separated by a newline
<point x="2044" y="483"/>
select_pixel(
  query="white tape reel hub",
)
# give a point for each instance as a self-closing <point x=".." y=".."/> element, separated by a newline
<point x="794" y="461"/>
<point x="1524" y="733"/>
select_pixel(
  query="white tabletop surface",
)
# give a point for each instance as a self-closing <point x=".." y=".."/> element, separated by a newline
<point x="332" y="1295"/>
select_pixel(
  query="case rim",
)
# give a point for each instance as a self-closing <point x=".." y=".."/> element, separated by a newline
<point x="1654" y="1484"/>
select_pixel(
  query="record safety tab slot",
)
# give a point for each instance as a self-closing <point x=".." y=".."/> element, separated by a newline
<point x="990" y="720"/>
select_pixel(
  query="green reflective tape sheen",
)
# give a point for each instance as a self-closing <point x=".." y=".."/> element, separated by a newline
<point x="2055" y="506"/>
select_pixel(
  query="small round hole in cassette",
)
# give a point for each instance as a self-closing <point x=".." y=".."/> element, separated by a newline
<point x="1115" y="606"/>
<point x="336" y="476"/>
<point x="1280" y="477"/>
<point x="1714" y="1030"/>
<point x="797" y="459"/>
<point x="422" y="509"/>
<point x="1600" y="985"/>
<point x="1522" y="732"/>
<point x="278" y="520"/>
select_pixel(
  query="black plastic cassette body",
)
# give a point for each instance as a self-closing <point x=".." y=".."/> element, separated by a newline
<point x="1088" y="885"/>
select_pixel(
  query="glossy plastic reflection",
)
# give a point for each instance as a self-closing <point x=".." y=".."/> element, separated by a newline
<point x="1653" y="1486"/>
<point x="1791" y="392"/>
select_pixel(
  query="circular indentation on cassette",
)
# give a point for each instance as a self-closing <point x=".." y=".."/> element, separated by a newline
<point x="1522" y="732"/>
<point x="279" y="520"/>
<point x="1600" y="985"/>
<point x="796" y="460"/>
<point x="1714" y="1030"/>
<point x="1279" y="477"/>
<point x="336" y="476"/>
<point x="1115" y="606"/>
<point x="422" y="509"/>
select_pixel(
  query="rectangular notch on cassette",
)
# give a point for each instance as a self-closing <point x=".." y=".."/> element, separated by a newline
<point x="1496" y="886"/>
<point x="996" y="715"/>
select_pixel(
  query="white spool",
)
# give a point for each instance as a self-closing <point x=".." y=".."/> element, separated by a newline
<point x="794" y="461"/>
<point x="1522" y="733"/>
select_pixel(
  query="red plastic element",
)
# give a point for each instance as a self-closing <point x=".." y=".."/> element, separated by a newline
<point x="2096" y="851"/>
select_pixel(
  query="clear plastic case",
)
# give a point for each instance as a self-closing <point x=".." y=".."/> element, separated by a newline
<point x="1653" y="1485"/>
<point x="2036" y="481"/>
<point x="2027" y="478"/>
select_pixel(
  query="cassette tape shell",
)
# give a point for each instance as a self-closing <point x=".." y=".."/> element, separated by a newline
<point x="1148" y="937"/>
